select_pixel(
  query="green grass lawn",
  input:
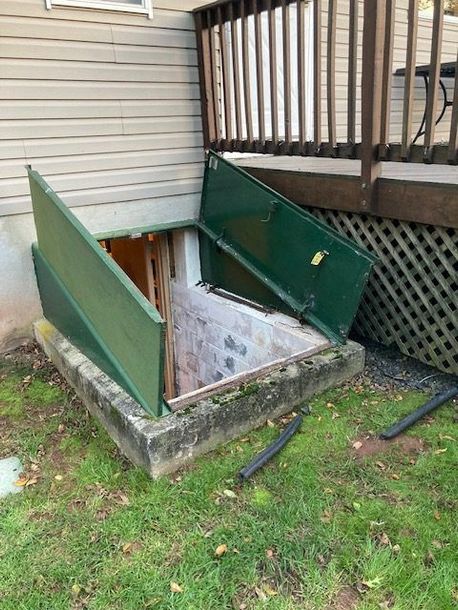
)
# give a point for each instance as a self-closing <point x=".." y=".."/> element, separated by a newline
<point x="321" y="527"/>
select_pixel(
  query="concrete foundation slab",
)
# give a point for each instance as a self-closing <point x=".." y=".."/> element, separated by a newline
<point x="163" y="445"/>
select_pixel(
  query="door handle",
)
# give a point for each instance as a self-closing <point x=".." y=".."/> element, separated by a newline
<point x="272" y="209"/>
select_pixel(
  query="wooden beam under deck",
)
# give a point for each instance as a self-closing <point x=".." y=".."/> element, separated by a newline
<point x="420" y="201"/>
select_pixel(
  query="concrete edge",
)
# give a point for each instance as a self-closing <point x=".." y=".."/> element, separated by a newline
<point x="165" y="444"/>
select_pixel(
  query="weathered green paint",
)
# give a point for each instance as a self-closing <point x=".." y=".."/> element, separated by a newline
<point x="152" y="228"/>
<point x="258" y="244"/>
<point x="88" y="297"/>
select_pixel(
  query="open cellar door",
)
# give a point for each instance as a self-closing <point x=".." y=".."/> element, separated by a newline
<point x="258" y="244"/>
<point x="91" y="301"/>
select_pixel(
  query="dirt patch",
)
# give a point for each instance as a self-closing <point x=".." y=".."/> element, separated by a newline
<point x="387" y="369"/>
<point x="346" y="599"/>
<point x="368" y="446"/>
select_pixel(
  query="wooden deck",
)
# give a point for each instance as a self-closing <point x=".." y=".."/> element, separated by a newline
<point x="407" y="191"/>
<point x="443" y="174"/>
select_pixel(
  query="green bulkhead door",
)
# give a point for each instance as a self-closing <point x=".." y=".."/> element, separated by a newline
<point x="92" y="302"/>
<point x="258" y="244"/>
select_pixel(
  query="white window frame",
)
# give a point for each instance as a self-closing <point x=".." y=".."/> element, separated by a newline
<point x="145" y="9"/>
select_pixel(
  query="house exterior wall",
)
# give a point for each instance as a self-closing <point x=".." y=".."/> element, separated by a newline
<point x="106" y="106"/>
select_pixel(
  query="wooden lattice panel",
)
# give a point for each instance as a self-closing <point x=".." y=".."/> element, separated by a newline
<point x="412" y="296"/>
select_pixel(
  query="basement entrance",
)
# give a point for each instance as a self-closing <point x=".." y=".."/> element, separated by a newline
<point x="162" y="335"/>
<point x="215" y="339"/>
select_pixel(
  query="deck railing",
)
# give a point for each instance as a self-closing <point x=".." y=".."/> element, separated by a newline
<point x="316" y="78"/>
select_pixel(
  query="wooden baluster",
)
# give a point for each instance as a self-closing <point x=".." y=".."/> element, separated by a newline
<point x="286" y="71"/>
<point x="236" y="72"/>
<point x="225" y="75"/>
<point x="453" y="141"/>
<point x="273" y="70"/>
<point x="317" y="74"/>
<point x="387" y="72"/>
<point x="205" y="78"/>
<point x="259" y="72"/>
<point x="214" y="75"/>
<point x="331" y="71"/>
<point x="409" y="84"/>
<point x="434" y="75"/>
<point x="352" y="70"/>
<point x="301" y="73"/>
<point x="246" y="75"/>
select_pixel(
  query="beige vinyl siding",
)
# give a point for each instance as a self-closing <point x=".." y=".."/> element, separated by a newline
<point x="105" y="105"/>
<point x="449" y="53"/>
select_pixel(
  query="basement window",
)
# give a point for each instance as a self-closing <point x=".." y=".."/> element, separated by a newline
<point x="128" y="6"/>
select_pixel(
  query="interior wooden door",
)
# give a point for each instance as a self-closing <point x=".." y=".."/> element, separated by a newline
<point x="146" y="261"/>
<point x="133" y="256"/>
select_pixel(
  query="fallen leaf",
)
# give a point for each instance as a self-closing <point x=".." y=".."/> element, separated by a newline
<point x="445" y="437"/>
<point x="373" y="583"/>
<point x="175" y="588"/>
<point x="437" y="515"/>
<point x="357" y="445"/>
<point x="395" y="476"/>
<point x="25" y="480"/>
<point x="384" y="538"/>
<point x="260" y="593"/>
<point x="321" y="560"/>
<point x="377" y="523"/>
<point x="119" y="498"/>
<point x="269" y="590"/>
<point x="429" y="559"/>
<point x="439" y="451"/>
<point x="381" y="465"/>
<point x="326" y="517"/>
<point x="229" y="493"/>
<point x="101" y="515"/>
<point x="220" y="550"/>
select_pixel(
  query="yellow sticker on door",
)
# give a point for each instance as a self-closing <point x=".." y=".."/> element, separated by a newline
<point x="318" y="257"/>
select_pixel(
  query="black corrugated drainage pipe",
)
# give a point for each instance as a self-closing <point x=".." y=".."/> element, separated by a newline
<point x="432" y="404"/>
<point x="274" y="448"/>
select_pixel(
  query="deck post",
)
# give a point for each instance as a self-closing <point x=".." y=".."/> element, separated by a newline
<point x="371" y="96"/>
<point x="205" y="79"/>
